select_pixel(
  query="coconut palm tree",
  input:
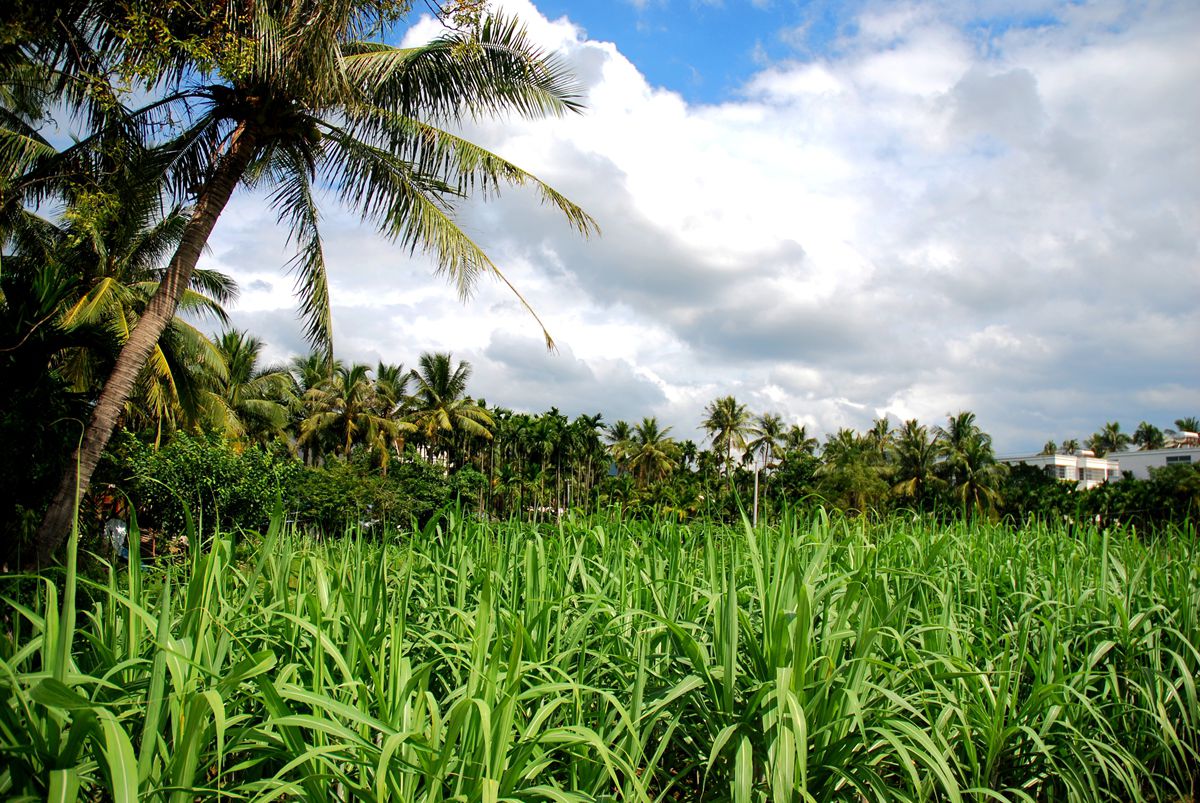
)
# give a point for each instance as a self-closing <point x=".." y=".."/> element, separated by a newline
<point x="915" y="454"/>
<point x="249" y="401"/>
<point x="103" y="264"/>
<point x="978" y="477"/>
<point x="1188" y="424"/>
<point x="1148" y="436"/>
<point x="1049" y="448"/>
<point x="345" y="410"/>
<point x="880" y="435"/>
<point x="851" y="471"/>
<point x="441" y="408"/>
<point x="653" y="454"/>
<point x="797" y="440"/>
<point x="297" y="93"/>
<point x="1109" y="439"/>
<point x="960" y="433"/>
<point x="727" y="423"/>
<point x="767" y="442"/>
<point x="620" y="443"/>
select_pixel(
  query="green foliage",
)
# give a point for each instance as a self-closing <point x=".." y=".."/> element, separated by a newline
<point x="221" y="483"/>
<point x="345" y="495"/>
<point x="823" y="659"/>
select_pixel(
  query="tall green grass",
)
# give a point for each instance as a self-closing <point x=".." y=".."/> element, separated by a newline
<point x="815" y="660"/>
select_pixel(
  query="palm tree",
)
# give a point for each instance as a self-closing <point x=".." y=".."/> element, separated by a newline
<point x="344" y="408"/>
<point x="102" y="265"/>
<point x="880" y="435"/>
<point x="728" y="424"/>
<point x="1050" y="448"/>
<point x="1070" y="446"/>
<point x="960" y="434"/>
<point x="310" y="372"/>
<point x="1148" y="436"/>
<point x="851" y="472"/>
<point x="768" y="433"/>
<point x="1188" y="424"/>
<point x="916" y="454"/>
<point x="978" y="476"/>
<point x="1109" y="439"/>
<point x="620" y="443"/>
<point x="797" y="440"/>
<point x="294" y="94"/>
<point x="441" y="408"/>
<point x="249" y="401"/>
<point x="653" y="455"/>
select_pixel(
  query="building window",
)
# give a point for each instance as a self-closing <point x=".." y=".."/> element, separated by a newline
<point x="1178" y="458"/>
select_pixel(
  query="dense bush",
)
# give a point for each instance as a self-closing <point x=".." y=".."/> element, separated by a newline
<point x="221" y="483"/>
<point x="352" y="494"/>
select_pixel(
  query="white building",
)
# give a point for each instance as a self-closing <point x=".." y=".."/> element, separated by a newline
<point x="1083" y="467"/>
<point x="1141" y="462"/>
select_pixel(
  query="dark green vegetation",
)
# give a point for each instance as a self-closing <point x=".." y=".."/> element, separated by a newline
<point x="176" y="105"/>
<point x="814" y="660"/>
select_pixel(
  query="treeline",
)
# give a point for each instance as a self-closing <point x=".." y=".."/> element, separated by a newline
<point x="347" y="445"/>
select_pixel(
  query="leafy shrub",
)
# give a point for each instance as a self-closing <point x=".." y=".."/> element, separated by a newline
<point x="221" y="483"/>
<point x="348" y="494"/>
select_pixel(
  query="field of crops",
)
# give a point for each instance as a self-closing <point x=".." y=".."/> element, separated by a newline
<point x="813" y="660"/>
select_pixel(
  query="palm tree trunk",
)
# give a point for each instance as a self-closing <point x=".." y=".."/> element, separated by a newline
<point x="213" y="197"/>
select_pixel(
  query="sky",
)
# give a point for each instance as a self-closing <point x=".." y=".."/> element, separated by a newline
<point x="832" y="211"/>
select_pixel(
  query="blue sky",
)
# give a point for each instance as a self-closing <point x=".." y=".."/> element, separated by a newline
<point x="706" y="51"/>
<point x="701" y="50"/>
<point x="834" y="212"/>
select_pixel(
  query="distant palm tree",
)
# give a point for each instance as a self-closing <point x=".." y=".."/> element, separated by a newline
<point x="1189" y="424"/>
<point x="440" y="406"/>
<point x="728" y="424"/>
<point x="1148" y="436"/>
<point x="960" y="433"/>
<point x="344" y="408"/>
<point x="916" y="454"/>
<point x="620" y="443"/>
<point x="248" y="401"/>
<point x="1050" y="448"/>
<point x="1070" y="446"/>
<point x="851" y="471"/>
<point x="1109" y="439"/>
<point x="880" y="435"/>
<point x="653" y="455"/>
<point x="391" y="387"/>
<point x="980" y="478"/>
<point x="970" y="465"/>
<point x="796" y="439"/>
<point x="767" y="443"/>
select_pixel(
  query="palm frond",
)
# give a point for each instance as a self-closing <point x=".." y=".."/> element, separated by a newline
<point x="457" y="75"/>
<point x="294" y="202"/>
<point x="383" y="189"/>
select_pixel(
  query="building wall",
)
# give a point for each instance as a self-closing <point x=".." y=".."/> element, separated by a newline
<point x="1084" y="470"/>
<point x="1140" y="463"/>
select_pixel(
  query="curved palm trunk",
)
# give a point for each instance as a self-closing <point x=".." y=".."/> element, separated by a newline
<point x="159" y="312"/>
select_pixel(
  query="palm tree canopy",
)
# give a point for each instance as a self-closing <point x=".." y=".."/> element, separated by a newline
<point x="728" y="424"/>
<point x="652" y="453"/>
<point x="440" y="405"/>
<point x="329" y="106"/>
<point x="1109" y="439"/>
<point x="768" y="432"/>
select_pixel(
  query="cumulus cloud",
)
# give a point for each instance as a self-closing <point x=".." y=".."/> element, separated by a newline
<point x="919" y="219"/>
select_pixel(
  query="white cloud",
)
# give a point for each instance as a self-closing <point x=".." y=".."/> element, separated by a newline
<point x="913" y="226"/>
